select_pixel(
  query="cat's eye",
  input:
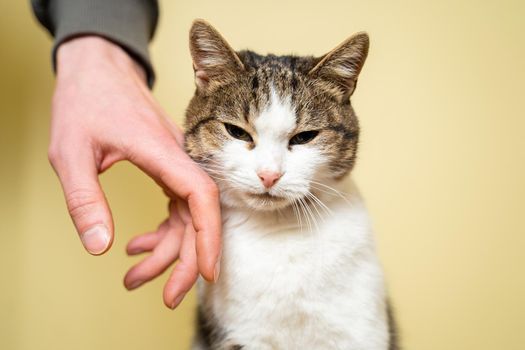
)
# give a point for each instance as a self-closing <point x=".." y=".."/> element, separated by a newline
<point x="303" y="137"/>
<point x="238" y="133"/>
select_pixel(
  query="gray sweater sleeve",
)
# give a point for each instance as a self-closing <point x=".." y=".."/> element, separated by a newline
<point x="128" y="23"/>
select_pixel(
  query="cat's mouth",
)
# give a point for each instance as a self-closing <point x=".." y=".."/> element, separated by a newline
<point x="266" y="196"/>
<point x="266" y="200"/>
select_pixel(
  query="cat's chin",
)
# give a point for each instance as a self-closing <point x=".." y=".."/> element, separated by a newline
<point x="264" y="201"/>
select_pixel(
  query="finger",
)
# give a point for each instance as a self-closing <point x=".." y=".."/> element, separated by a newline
<point x="147" y="241"/>
<point x="143" y="243"/>
<point x="85" y="199"/>
<point x="205" y="215"/>
<point x="181" y="208"/>
<point x="164" y="254"/>
<point x="170" y="166"/>
<point x="185" y="273"/>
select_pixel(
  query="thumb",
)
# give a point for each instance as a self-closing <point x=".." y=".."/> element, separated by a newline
<point x="85" y="200"/>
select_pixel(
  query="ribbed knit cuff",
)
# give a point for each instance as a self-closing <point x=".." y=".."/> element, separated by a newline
<point x="128" y="23"/>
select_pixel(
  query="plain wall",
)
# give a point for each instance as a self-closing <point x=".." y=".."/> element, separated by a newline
<point x="441" y="166"/>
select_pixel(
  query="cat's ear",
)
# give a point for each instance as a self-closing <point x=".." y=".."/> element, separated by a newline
<point x="341" y="66"/>
<point x="214" y="61"/>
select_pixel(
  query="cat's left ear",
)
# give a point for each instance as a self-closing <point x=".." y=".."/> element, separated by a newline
<point x="341" y="66"/>
<point x="214" y="61"/>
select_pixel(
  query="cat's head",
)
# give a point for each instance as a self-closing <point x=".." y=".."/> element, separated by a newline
<point x="270" y="129"/>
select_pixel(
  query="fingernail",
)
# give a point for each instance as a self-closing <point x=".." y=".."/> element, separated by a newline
<point x="96" y="239"/>
<point x="177" y="300"/>
<point x="136" y="284"/>
<point x="217" y="270"/>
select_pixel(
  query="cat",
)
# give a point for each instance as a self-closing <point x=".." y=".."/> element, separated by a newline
<point x="278" y="134"/>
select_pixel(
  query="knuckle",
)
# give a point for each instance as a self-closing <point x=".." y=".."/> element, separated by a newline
<point x="81" y="202"/>
<point x="60" y="151"/>
<point x="53" y="154"/>
<point x="165" y="176"/>
<point x="186" y="270"/>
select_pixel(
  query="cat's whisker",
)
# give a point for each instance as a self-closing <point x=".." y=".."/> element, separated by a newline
<point x="321" y="203"/>
<point x="341" y="194"/>
<point x="212" y="167"/>
<point x="315" y="204"/>
<point x="217" y="173"/>
<point x="309" y="216"/>
<point x="298" y="214"/>
<point x="312" y="215"/>
<point x="217" y="170"/>
<point x="323" y="190"/>
<point x="328" y="187"/>
<point x="229" y="177"/>
<point x="215" y="177"/>
<point x="204" y="164"/>
<point x="300" y="209"/>
<point x="294" y="209"/>
<point x="199" y="160"/>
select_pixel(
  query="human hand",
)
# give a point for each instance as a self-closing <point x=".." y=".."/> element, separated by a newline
<point x="102" y="113"/>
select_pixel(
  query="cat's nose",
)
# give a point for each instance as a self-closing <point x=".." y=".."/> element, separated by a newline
<point x="269" y="178"/>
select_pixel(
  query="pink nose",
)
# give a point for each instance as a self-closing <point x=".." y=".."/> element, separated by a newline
<point x="269" y="178"/>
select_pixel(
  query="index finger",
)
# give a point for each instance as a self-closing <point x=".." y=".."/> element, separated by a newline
<point x="170" y="166"/>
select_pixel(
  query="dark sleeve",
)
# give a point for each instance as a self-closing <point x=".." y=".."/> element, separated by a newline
<point x="128" y="23"/>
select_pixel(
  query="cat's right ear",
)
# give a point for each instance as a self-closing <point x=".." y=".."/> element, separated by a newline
<point x="214" y="61"/>
<point x="341" y="66"/>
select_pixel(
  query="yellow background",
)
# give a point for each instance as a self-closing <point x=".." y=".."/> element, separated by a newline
<point x="441" y="103"/>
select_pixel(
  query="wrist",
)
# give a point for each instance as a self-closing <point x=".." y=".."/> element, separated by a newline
<point x="93" y="53"/>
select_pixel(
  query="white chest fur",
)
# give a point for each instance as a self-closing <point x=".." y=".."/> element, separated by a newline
<point x="286" y="287"/>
